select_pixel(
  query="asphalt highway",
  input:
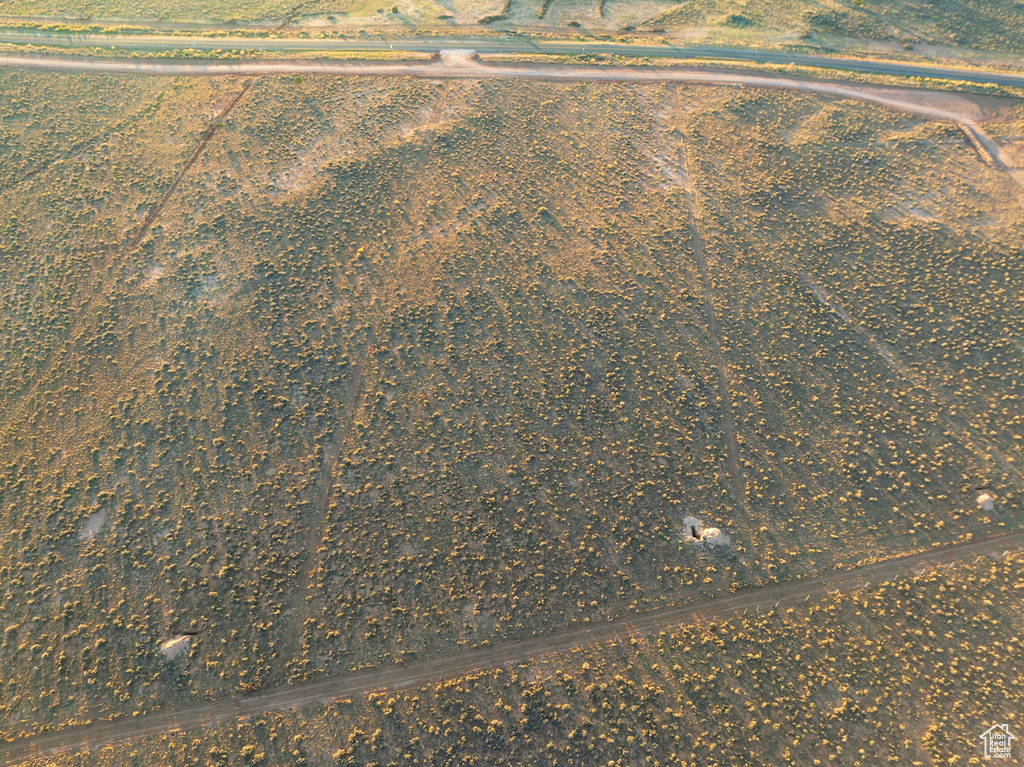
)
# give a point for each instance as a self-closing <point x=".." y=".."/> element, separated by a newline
<point x="507" y="653"/>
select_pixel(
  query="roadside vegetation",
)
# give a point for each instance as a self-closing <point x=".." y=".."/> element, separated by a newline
<point x="889" y="26"/>
<point x="997" y="25"/>
<point x="403" y="366"/>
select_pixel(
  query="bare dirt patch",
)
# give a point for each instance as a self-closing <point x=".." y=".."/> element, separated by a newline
<point x="93" y="525"/>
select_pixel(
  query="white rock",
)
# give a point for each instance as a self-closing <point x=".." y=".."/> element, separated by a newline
<point x="172" y="648"/>
<point x="986" y="502"/>
<point x="716" y="537"/>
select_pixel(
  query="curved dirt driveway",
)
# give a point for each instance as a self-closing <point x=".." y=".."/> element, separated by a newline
<point x="418" y="672"/>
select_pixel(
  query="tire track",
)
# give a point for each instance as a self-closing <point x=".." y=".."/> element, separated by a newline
<point x="207" y="135"/>
<point x="981" y="447"/>
<point x="85" y="145"/>
<point x="325" y="484"/>
<point x="789" y="594"/>
<point x="13" y="421"/>
<point x="737" y="483"/>
<point x="325" y="481"/>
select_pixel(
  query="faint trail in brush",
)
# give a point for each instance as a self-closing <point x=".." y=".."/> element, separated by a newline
<point x="985" y="451"/>
<point x="737" y="483"/>
<point x="12" y="421"/>
<point x="769" y="600"/>
<point x="207" y="135"/>
<point x="324" y="489"/>
<point x="84" y="145"/>
<point x="325" y="483"/>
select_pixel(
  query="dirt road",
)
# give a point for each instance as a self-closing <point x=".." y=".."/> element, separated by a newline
<point x="453" y="65"/>
<point x="418" y="672"/>
<point x="932" y="105"/>
<point x="524" y="44"/>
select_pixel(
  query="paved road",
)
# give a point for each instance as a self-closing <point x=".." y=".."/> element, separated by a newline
<point x="517" y="44"/>
<point x="419" y="672"/>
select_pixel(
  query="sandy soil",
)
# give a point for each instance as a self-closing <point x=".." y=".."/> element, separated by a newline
<point x="93" y="525"/>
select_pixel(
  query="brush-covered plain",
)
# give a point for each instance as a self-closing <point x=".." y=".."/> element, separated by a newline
<point x="406" y="366"/>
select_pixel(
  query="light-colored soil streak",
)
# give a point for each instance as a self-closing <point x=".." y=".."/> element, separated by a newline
<point x="978" y="445"/>
<point x="790" y="594"/>
<point x="737" y="484"/>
